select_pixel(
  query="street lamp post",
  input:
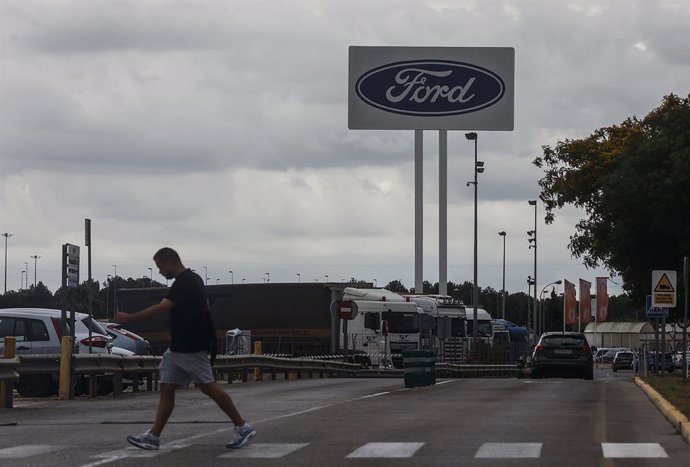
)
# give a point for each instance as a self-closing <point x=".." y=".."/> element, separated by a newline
<point x="35" y="257"/>
<point x="541" y="303"/>
<point x="478" y="168"/>
<point x="6" y="235"/>
<point x="326" y="277"/>
<point x="530" y="324"/>
<point x="299" y="278"/>
<point x="151" y="274"/>
<point x="503" y="289"/>
<point x="232" y="277"/>
<point x="533" y="202"/>
<point x="268" y="277"/>
<point x="114" y="292"/>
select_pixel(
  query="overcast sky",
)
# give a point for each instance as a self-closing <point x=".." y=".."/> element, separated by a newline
<point x="219" y="128"/>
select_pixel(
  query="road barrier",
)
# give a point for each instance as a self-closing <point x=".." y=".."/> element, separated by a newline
<point x="419" y="368"/>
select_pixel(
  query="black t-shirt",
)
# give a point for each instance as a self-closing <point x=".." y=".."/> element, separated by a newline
<point x="189" y="317"/>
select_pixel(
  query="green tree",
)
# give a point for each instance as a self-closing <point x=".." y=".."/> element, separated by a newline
<point x="632" y="181"/>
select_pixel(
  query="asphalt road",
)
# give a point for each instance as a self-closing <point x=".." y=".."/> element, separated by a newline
<point x="358" y="422"/>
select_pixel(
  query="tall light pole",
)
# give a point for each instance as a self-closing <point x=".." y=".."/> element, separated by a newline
<point x="543" y="318"/>
<point x="478" y="168"/>
<point x="151" y="273"/>
<point x="115" y="292"/>
<point x="268" y="277"/>
<point x="35" y="257"/>
<point x="326" y="277"/>
<point x="533" y="202"/>
<point x="503" y="289"/>
<point x="6" y="235"/>
<point x="232" y="277"/>
<point x="299" y="278"/>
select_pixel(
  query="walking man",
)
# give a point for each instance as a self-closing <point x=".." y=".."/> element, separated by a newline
<point x="187" y="359"/>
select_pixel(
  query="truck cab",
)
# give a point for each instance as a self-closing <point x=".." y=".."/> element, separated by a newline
<point x="385" y="324"/>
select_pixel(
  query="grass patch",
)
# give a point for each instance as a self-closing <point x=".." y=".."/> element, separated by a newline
<point x="673" y="389"/>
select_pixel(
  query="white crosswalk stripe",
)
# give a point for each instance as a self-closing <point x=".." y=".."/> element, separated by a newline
<point x="369" y="450"/>
<point x="265" y="450"/>
<point x="633" y="450"/>
<point x="509" y="450"/>
<point x="20" y="452"/>
<point x="397" y="450"/>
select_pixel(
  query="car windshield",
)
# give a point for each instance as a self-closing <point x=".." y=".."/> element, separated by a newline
<point x="484" y="328"/>
<point x="402" y="323"/>
<point x="563" y="341"/>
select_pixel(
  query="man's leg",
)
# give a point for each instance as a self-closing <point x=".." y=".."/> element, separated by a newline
<point x="223" y="400"/>
<point x="166" y="405"/>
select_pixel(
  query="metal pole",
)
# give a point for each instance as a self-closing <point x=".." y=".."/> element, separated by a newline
<point x="6" y="235"/>
<point x="503" y="289"/>
<point x="35" y="257"/>
<point x="475" y="293"/>
<point x="442" y="212"/>
<point x="418" y="211"/>
<point x="685" y="322"/>
<point x="536" y="304"/>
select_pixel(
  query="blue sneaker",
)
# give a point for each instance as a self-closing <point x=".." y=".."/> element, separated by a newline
<point x="242" y="436"/>
<point x="146" y="441"/>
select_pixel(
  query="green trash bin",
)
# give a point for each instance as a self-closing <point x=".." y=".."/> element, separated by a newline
<point x="419" y="367"/>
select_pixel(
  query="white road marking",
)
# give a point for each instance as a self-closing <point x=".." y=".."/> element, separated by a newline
<point x="265" y="450"/>
<point x="509" y="450"/>
<point x="19" y="452"/>
<point x="389" y="450"/>
<point x="633" y="450"/>
<point x="114" y="456"/>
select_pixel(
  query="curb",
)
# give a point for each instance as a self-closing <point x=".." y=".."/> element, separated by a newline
<point x="679" y="421"/>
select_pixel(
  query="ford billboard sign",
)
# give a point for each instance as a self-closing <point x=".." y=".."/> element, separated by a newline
<point x="431" y="88"/>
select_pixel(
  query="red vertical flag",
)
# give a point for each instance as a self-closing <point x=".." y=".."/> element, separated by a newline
<point x="569" y="303"/>
<point x="585" y="301"/>
<point x="602" y="299"/>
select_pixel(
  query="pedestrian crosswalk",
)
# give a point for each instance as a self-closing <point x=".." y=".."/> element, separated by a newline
<point x="373" y="450"/>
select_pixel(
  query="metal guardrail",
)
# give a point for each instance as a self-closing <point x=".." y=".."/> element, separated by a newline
<point x="140" y="367"/>
<point x="8" y="375"/>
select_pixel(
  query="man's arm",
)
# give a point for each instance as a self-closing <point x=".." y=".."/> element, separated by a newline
<point x="163" y="306"/>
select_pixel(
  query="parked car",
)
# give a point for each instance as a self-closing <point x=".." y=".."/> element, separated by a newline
<point x="565" y="353"/>
<point x="608" y="356"/>
<point x="678" y="359"/>
<point x="38" y="331"/>
<point x="623" y="360"/>
<point x="127" y="339"/>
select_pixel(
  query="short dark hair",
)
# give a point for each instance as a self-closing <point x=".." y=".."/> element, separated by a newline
<point x="166" y="254"/>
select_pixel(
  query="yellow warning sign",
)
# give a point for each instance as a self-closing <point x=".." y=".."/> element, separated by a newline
<point x="664" y="285"/>
<point x="664" y="289"/>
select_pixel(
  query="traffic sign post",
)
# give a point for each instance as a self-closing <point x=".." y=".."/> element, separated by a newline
<point x="654" y="312"/>
<point x="664" y="289"/>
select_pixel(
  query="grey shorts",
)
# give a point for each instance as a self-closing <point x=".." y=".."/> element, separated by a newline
<point x="183" y="368"/>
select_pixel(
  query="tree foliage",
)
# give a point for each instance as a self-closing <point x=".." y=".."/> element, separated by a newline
<point x="633" y="181"/>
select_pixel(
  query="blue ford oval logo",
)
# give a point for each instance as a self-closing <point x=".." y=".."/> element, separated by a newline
<point x="430" y="88"/>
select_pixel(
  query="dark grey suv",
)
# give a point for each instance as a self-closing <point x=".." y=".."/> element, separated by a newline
<point x="563" y="354"/>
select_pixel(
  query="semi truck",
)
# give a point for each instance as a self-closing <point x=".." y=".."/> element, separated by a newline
<point x="383" y="325"/>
